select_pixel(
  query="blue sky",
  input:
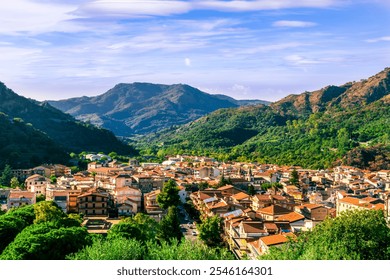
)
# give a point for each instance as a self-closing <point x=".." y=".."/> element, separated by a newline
<point x="263" y="49"/>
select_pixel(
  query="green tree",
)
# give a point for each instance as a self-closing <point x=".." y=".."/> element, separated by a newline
<point x="354" y="235"/>
<point x="170" y="226"/>
<point x="126" y="230"/>
<point x="110" y="249"/>
<point x="223" y="181"/>
<point x="113" y="155"/>
<point x="185" y="250"/>
<point x="13" y="222"/>
<point x="140" y="227"/>
<point x="169" y="195"/>
<point x="53" y="179"/>
<point x="294" y="177"/>
<point x="203" y="185"/>
<point x="40" y="198"/>
<point x="210" y="231"/>
<point x="46" y="241"/>
<point x="14" y="183"/>
<point x="251" y="190"/>
<point x="6" y="176"/>
<point x="48" y="211"/>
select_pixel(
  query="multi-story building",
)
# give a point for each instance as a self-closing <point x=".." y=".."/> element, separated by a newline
<point x="93" y="204"/>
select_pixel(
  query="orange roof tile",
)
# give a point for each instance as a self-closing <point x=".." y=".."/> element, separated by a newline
<point x="274" y="239"/>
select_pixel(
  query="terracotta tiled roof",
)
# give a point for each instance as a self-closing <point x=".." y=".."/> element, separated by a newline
<point x="253" y="227"/>
<point x="274" y="210"/>
<point x="291" y="217"/>
<point x="274" y="239"/>
<point x="240" y="196"/>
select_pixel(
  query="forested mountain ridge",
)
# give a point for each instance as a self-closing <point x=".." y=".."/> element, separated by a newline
<point x="313" y="129"/>
<point x="140" y="108"/>
<point x="62" y="129"/>
<point x="22" y="146"/>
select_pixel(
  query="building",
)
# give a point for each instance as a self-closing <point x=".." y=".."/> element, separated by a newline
<point x="19" y="198"/>
<point x="93" y="204"/>
<point x="37" y="184"/>
<point x="150" y="203"/>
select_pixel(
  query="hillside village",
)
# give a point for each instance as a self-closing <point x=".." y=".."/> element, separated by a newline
<point x="259" y="205"/>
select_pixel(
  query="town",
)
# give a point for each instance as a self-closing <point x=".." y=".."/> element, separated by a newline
<point x="261" y="205"/>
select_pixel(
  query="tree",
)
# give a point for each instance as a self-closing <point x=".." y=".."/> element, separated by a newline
<point x="48" y="211"/>
<point x="113" y="155"/>
<point x="356" y="235"/>
<point x="140" y="227"/>
<point x="14" y="182"/>
<point x="126" y="230"/>
<point x="251" y="190"/>
<point x="294" y="177"/>
<point x="13" y="222"/>
<point x="169" y="195"/>
<point x="6" y="176"/>
<point x="46" y="241"/>
<point x="110" y="249"/>
<point x="186" y="250"/>
<point x="223" y="181"/>
<point x="210" y="231"/>
<point x="170" y="226"/>
<point x="40" y="198"/>
<point x="203" y="185"/>
<point x="53" y="179"/>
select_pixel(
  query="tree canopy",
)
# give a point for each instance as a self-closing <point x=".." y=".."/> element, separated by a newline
<point x="210" y="230"/>
<point x="354" y="235"/>
<point x="169" y="195"/>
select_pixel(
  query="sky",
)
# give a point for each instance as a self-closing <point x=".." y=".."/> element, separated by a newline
<point x="247" y="49"/>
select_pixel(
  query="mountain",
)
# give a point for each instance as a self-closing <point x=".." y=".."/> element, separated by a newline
<point x="61" y="128"/>
<point x="22" y="146"/>
<point x="312" y="129"/>
<point x="140" y="108"/>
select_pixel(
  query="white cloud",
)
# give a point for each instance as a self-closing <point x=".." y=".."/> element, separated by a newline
<point x="141" y="8"/>
<point x="187" y="62"/>
<point x="32" y="17"/>
<point x="129" y="8"/>
<point x="247" y="5"/>
<point x="380" y="39"/>
<point x="299" y="60"/>
<point x="293" y="23"/>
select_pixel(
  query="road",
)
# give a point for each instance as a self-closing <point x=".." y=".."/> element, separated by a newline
<point x="186" y="224"/>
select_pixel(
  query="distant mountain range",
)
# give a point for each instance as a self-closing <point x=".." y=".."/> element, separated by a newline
<point x="140" y="108"/>
<point x="345" y="124"/>
<point x="36" y="132"/>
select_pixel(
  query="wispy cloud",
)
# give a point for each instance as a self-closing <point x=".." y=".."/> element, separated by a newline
<point x="34" y="17"/>
<point x="257" y="5"/>
<point x="380" y="39"/>
<point x="293" y="23"/>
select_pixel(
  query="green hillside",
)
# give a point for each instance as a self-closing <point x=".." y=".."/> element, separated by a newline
<point x="22" y="146"/>
<point x="61" y="128"/>
<point x="313" y="129"/>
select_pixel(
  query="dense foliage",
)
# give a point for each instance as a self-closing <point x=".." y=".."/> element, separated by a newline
<point x="170" y="226"/>
<point x="169" y="195"/>
<point x="354" y="235"/>
<point x="22" y="146"/>
<point x="13" y="222"/>
<point x="210" y="231"/>
<point x="34" y="133"/>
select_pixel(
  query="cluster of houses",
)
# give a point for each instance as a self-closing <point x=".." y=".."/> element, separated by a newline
<point x="254" y="218"/>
